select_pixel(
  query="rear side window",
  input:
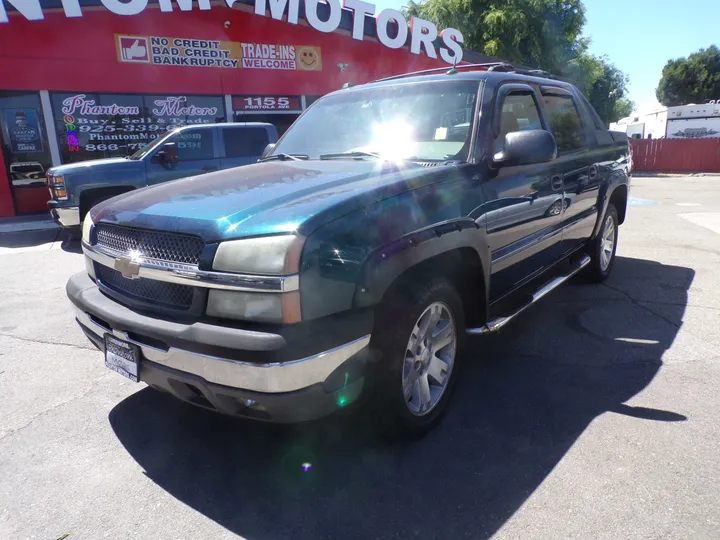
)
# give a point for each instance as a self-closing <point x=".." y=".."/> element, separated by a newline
<point x="565" y="124"/>
<point x="593" y="114"/>
<point x="245" y="142"/>
<point x="519" y="112"/>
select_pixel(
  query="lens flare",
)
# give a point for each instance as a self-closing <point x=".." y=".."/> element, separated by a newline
<point x="306" y="466"/>
<point x="393" y="140"/>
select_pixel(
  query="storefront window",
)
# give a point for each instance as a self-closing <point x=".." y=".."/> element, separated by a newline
<point x="281" y="121"/>
<point x="93" y="126"/>
<point x="280" y="111"/>
<point x="25" y="150"/>
<point x="309" y="100"/>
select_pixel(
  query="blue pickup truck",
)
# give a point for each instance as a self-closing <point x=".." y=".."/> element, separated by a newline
<point x="186" y="151"/>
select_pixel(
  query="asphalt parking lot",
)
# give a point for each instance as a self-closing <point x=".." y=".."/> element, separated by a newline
<point x="596" y="415"/>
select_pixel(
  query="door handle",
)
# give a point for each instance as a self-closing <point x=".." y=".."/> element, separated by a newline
<point x="556" y="182"/>
<point x="592" y="172"/>
<point x="208" y="169"/>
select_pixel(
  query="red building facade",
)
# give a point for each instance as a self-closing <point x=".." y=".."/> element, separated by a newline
<point x="102" y="85"/>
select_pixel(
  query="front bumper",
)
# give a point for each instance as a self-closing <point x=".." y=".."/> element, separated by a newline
<point x="65" y="216"/>
<point x="305" y="387"/>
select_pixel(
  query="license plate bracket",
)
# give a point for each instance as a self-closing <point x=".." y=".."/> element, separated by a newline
<point x="122" y="357"/>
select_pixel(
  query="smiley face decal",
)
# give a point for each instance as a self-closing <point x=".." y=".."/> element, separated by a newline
<point x="308" y="59"/>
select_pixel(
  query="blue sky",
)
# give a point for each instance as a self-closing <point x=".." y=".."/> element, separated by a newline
<point x="639" y="36"/>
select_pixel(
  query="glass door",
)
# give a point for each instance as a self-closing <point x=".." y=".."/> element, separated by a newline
<point x="25" y="150"/>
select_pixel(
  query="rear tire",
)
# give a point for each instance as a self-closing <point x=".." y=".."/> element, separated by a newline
<point x="602" y="248"/>
<point x="73" y="234"/>
<point x="418" y="338"/>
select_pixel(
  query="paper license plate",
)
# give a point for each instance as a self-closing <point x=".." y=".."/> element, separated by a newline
<point x="122" y="357"/>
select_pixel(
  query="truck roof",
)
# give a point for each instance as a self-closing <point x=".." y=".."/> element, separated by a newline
<point x="473" y="72"/>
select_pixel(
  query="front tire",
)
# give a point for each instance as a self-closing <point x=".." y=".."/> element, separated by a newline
<point x="603" y="247"/>
<point x="420" y="332"/>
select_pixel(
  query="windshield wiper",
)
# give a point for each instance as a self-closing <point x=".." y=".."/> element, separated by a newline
<point x="285" y="157"/>
<point x="356" y="155"/>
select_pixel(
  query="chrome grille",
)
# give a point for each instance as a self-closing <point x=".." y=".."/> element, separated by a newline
<point x="146" y="290"/>
<point x="162" y="246"/>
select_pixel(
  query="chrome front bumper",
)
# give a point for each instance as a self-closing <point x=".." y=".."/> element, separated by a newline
<point x="265" y="378"/>
<point x="66" y="217"/>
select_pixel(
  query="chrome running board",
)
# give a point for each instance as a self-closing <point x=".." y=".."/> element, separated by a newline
<point x="498" y="323"/>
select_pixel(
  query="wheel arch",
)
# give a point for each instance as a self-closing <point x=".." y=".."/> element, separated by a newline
<point x="619" y="198"/>
<point x="456" y="251"/>
<point x="89" y="196"/>
<point x="616" y="192"/>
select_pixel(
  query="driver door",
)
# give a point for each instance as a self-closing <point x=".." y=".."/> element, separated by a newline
<point x="189" y="152"/>
<point x="524" y="201"/>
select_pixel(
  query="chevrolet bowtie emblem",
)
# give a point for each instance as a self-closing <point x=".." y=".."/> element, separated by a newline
<point x="128" y="266"/>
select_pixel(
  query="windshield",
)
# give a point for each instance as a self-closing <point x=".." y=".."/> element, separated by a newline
<point x="422" y="121"/>
<point x="145" y="150"/>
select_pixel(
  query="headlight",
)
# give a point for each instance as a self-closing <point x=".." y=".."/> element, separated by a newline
<point x="261" y="307"/>
<point x="268" y="255"/>
<point x="86" y="228"/>
<point x="271" y="255"/>
<point x="57" y="187"/>
<point x="56" y="180"/>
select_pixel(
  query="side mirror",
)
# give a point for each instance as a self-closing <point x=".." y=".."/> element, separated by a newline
<point x="269" y="148"/>
<point x="526" y="148"/>
<point x="165" y="157"/>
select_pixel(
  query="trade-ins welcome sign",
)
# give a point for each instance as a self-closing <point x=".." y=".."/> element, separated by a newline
<point x="422" y="33"/>
<point x="174" y="51"/>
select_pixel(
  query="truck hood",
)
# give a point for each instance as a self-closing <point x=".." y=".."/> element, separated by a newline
<point x="93" y="166"/>
<point x="264" y="198"/>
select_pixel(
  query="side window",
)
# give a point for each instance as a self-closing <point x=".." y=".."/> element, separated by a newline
<point x="564" y="121"/>
<point x="593" y="114"/>
<point x="192" y="144"/>
<point x="245" y="141"/>
<point x="519" y="113"/>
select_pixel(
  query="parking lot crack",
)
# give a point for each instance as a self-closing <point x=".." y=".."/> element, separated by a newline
<point x="30" y="340"/>
<point x="639" y="304"/>
<point x="45" y="412"/>
<point x="642" y="305"/>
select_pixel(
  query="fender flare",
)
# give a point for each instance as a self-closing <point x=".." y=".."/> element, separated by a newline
<point x="384" y="265"/>
<point x="613" y="185"/>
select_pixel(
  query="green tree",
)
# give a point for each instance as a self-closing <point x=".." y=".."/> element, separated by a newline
<point x="695" y="79"/>
<point x="604" y="85"/>
<point x="623" y="107"/>
<point x="543" y="34"/>
<point x="538" y="33"/>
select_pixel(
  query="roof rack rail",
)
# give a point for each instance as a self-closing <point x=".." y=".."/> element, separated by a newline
<point x="539" y="73"/>
<point x="503" y="67"/>
<point x="453" y="69"/>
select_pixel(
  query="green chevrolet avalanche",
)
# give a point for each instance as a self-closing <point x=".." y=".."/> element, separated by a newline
<point x="352" y="263"/>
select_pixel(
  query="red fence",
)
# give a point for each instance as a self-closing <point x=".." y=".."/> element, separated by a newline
<point x="676" y="155"/>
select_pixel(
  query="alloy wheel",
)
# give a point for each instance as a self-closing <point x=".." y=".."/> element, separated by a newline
<point x="429" y="358"/>
<point x="607" y="243"/>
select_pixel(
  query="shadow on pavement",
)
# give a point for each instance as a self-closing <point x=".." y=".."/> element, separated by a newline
<point x="40" y="239"/>
<point x="26" y="239"/>
<point x="71" y="244"/>
<point x="526" y="396"/>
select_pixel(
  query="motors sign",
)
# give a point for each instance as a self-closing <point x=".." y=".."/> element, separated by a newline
<point x="422" y="33"/>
